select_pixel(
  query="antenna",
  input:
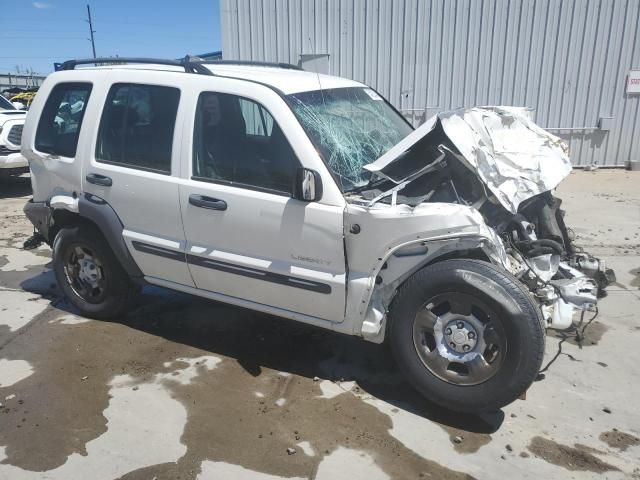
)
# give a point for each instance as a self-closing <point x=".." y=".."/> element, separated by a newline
<point x="317" y="75"/>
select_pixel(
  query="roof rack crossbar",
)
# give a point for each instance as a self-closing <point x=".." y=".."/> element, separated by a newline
<point x="288" y="66"/>
<point x="189" y="64"/>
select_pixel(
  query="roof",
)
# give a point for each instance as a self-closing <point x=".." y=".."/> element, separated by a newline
<point x="286" y="80"/>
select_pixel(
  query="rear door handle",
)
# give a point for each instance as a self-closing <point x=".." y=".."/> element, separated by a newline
<point x="207" y="202"/>
<point x="98" y="179"/>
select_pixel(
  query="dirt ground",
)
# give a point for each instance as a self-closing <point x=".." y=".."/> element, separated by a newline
<point x="185" y="388"/>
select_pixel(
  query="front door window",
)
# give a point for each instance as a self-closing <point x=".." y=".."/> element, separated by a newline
<point x="237" y="142"/>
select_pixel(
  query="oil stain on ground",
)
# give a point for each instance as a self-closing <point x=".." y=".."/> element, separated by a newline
<point x="59" y="408"/>
<point x="635" y="282"/>
<point x="619" y="440"/>
<point x="467" y="442"/>
<point x="592" y="335"/>
<point x="575" y="459"/>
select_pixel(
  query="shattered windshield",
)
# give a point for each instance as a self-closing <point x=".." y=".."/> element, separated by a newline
<point x="350" y="127"/>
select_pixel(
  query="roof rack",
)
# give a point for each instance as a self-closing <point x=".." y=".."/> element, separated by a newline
<point x="190" y="64"/>
<point x="251" y="63"/>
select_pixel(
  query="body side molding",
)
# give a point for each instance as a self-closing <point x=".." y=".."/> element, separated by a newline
<point x="234" y="268"/>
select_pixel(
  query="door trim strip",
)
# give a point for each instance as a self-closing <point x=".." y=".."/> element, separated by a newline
<point x="159" y="251"/>
<point x="233" y="268"/>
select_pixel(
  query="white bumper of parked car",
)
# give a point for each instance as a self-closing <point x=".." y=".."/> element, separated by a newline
<point x="10" y="156"/>
<point x="13" y="160"/>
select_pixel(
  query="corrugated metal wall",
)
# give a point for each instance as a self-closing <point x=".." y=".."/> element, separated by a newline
<point x="566" y="59"/>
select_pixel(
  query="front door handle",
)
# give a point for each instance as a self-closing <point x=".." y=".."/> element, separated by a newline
<point x="207" y="202"/>
<point x="98" y="179"/>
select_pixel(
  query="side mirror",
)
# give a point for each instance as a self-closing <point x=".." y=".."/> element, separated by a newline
<point x="308" y="187"/>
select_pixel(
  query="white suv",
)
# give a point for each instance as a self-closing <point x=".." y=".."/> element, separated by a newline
<point x="310" y="197"/>
<point x="11" y="123"/>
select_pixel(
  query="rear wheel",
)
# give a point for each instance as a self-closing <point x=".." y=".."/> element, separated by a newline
<point x="467" y="335"/>
<point x="89" y="273"/>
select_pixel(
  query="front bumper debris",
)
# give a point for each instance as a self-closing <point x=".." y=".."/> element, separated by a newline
<point x="39" y="214"/>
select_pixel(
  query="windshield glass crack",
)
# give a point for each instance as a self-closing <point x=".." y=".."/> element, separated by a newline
<point x="350" y="128"/>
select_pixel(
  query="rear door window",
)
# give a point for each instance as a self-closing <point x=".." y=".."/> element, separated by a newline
<point x="61" y="119"/>
<point x="137" y="125"/>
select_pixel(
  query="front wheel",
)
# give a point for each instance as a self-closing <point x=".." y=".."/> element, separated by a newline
<point x="467" y="335"/>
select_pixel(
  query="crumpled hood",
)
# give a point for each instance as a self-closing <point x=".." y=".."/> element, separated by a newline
<point x="512" y="156"/>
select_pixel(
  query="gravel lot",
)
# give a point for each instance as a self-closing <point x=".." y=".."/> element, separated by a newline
<point x="185" y="388"/>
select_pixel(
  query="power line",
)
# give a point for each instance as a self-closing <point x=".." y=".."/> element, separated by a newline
<point x="139" y="36"/>
<point x="41" y="57"/>
<point x="66" y="19"/>
<point x="42" y="38"/>
<point x="36" y="29"/>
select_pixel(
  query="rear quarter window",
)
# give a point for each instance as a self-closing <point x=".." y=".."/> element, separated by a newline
<point x="61" y="119"/>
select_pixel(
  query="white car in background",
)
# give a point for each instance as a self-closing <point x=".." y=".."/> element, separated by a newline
<point x="11" y="122"/>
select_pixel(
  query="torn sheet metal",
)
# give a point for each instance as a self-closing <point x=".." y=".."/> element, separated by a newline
<point x="544" y="266"/>
<point x="512" y="156"/>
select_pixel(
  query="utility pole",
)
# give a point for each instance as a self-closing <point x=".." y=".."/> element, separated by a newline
<point x="91" y="31"/>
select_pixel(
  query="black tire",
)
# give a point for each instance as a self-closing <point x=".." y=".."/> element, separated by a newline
<point x="116" y="291"/>
<point x="520" y="340"/>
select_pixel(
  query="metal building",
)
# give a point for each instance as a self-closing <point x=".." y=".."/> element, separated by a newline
<point x="571" y="61"/>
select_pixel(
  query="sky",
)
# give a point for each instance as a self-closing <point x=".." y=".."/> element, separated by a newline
<point x="35" y="34"/>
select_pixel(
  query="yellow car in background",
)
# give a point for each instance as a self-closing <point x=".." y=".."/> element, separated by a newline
<point x="25" y="98"/>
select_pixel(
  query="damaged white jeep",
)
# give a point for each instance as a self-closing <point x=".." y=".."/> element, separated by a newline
<point x="310" y="197"/>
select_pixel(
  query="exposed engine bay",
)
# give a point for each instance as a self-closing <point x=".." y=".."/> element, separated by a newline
<point x="496" y="160"/>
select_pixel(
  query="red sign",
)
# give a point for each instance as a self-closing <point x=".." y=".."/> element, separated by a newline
<point x="633" y="81"/>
